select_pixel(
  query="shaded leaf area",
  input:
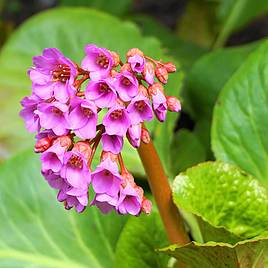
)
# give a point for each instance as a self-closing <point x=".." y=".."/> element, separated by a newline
<point x="138" y="241"/>
<point x="224" y="197"/>
<point x="68" y="29"/>
<point x="36" y="230"/>
<point x="251" y="253"/>
<point x="239" y="130"/>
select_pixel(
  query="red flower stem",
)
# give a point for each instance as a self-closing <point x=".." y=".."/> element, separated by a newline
<point x="154" y="61"/>
<point x="78" y="83"/>
<point x="161" y="190"/>
<point x="122" y="165"/>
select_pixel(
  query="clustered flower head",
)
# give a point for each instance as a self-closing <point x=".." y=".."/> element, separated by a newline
<point x="73" y="109"/>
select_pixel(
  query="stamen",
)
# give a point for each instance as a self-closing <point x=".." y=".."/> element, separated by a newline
<point x="102" y="61"/>
<point x="87" y="112"/>
<point x="56" y="111"/>
<point x="125" y="81"/>
<point x="116" y="114"/>
<point x="76" y="161"/>
<point x="140" y="105"/>
<point x="104" y="88"/>
<point x="61" y="73"/>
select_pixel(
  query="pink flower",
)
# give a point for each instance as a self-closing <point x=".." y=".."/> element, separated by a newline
<point x="28" y="113"/>
<point x="159" y="105"/>
<point x="54" y="179"/>
<point x="98" y="62"/>
<point x="116" y="121"/>
<point x="126" y="85"/>
<point x="53" y="75"/>
<point x="105" y="202"/>
<point x="112" y="143"/>
<point x="102" y="92"/>
<point x="83" y="118"/>
<point x="106" y="178"/>
<point x="54" y="116"/>
<point x="137" y="63"/>
<point x="134" y="135"/>
<point x="75" y="170"/>
<point x="148" y="73"/>
<point x="140" y="109"/>
<point x="129" y="201"/>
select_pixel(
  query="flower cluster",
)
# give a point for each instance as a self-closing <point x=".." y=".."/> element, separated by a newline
<point x="72" y="118"/>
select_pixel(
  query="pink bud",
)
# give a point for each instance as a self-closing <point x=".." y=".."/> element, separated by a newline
<point x="153" y="89"/>
<point x="145" y="135"/>
<point x="84" y="148"/>
<point x="143" y="90"/>
<point x="170" y="67"/>
<point x="161" y="74"/>
<point x="139" y="191"/>
<point x="116" y="58"/>
<point x="126" y="67"/>
<point x="65" y="141"/>
<point x="146" y="206"/>
<point x="173" y="104"/>
<point x="113" y="73"/>
<point x="43" y="144"/>
<point x="105" y="155"/>
<point x="134" y="135"/>
<point x="148" y="72"/>
<point x="134" y="51"/>
<point x="127" y="178"/>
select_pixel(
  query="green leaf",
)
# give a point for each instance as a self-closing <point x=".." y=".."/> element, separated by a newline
<point x="239" y="130"/>
<point x="138" y="241"/>
<point x="225" y="197"/>
<point x="36" y="230"/>
<point x="68" y="29"/>
<point x="186" y="151"/>
<point x="244" y="254"/>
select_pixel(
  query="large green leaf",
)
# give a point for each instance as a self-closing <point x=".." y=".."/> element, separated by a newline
<point x="36" y="231"/>
<point x="239" y="131"/>
<point x="244" y="254"/>
<point x="68" y="29"/>
<point x="138" y="241"/>
<point x="225" y="197"/>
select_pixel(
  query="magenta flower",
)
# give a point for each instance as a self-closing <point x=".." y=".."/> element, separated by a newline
<point x="83" y="118"/>
<point x="106" y="178"/>
<point x="149" y="73"/>
<point x="54" y="116"/>
<point x="137" y="63"/>
<point x="102" y="92"/>
<point x="74" y="197"/>
<point x="112" y="143"/>
<point x="160" y="105"/>
<point x="54" y="179"/>
<point x="75" y="170"/>
<point x="116" y="121"/>
<point x="140" y="109"/>
<point x="105" y="202"/>
<point x="53" y="75"/>
<point x="134" y="135"/>
<point x="28" y="113"/>
<point x="129" y="201"/>
<point x="98" y="62"/>
<point x="126" y="85"/>
<point x="52" y="158"/>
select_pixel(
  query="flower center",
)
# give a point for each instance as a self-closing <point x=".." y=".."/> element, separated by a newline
<point x="61" y="73"/>
<point x="107" y="173"/>
<point x="125" y="81"/>
<point x="102" y="60"/>
<point x="140" y="105"/>
<point x="56" y="111"/>
<point x="76" y="161"/>
<point x="116" y="114"/>
<point x="87" y="112"/>
<point x="104" y="88"/>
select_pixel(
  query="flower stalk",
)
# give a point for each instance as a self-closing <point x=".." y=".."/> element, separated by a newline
<point x="161" y="190"/>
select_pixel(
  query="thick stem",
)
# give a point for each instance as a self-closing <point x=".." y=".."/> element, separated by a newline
<point x="161" y="190"/>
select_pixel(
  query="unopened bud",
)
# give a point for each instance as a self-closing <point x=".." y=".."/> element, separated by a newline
<point x="170" y="67"/>
<point x="43" y="144"/>
<point x="126" y="67"/>
<point x="116" y="58"/>
<point x="65" y="141"/>
<point x="143" y="90"/>
<point x="113" y="73"/>
<point x="148" y="72"/>
<point x="161" y="74"/>
<point x="145" y="135"/>
<point x="173" y="104"/>
<point x="134" y="51"/>
<point x="139" y="191"/>
<point x="127" y="178"/>
<point x="134" y="135"/>
<point x="84" y="148"/>
<point x="154" y="88"/>
<point x="146" y="206"/>
<point x="105" y="155"/>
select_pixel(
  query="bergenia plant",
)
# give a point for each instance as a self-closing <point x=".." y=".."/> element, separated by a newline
<point x="103" y="102"/>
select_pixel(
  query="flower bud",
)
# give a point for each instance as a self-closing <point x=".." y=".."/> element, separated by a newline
<point x="65" y="141"/>
<point x="161" y="74"/>
<point x="148" y="72"/>
<point x="126" y="67"/>
<point x="146" y="205"/>
<point x="170" y="67"/>
<point x="105" y="155"/>
<point x="173" y="104"/>
<point x="116" y="58"/>
<point x="145" y="135"/>
<point x="43" y="144"/>
<point x="84" y="148"/>
<point x="113" y="73"/>
<point x="134" y="51"/>
<point x="143" y="90"/>
<point x="154" y="89"/>
<point x="134" y="135"/>
<point x="127" y="178"/>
